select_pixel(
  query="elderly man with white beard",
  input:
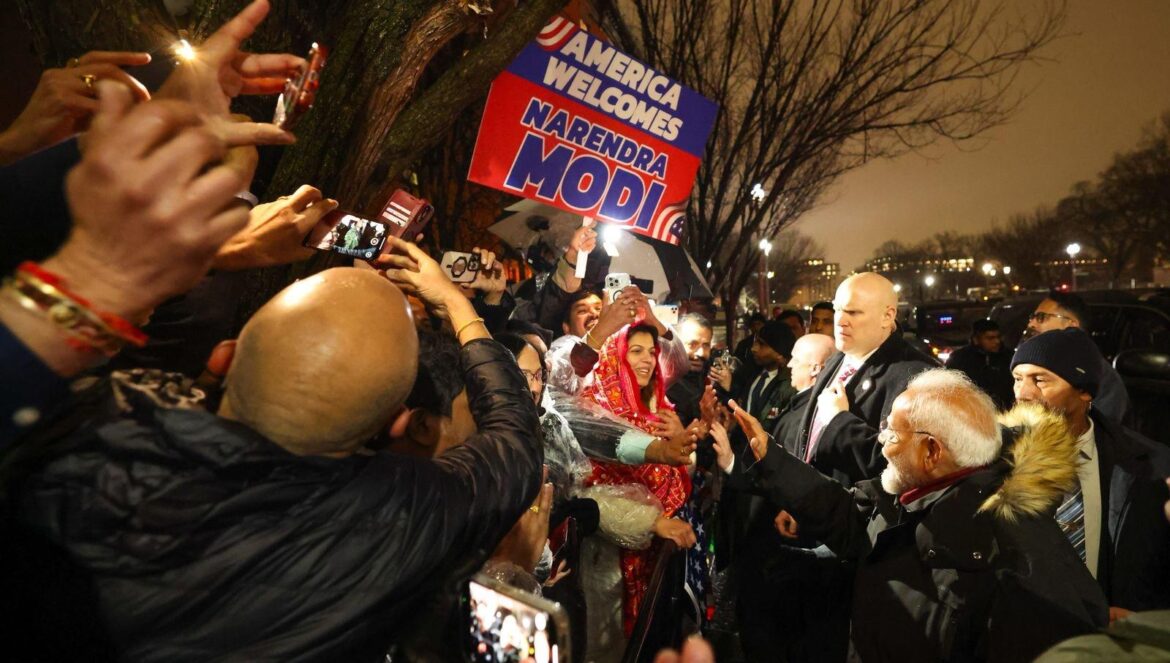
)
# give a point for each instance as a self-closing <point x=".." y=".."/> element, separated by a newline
<point x="958" y="557"/>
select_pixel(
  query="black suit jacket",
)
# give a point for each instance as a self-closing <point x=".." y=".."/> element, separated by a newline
<point x="847" y="450"/>
<point x="786" y="432"/>
<point x="1133" y="566"/>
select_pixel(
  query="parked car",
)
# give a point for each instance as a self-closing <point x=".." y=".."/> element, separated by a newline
<point x="944" y="326"/>
<point x="1121" y="319"/>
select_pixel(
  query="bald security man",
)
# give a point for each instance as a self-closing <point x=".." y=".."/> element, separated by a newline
<point x="859" y="383"/>
<point x="269" y="531"/>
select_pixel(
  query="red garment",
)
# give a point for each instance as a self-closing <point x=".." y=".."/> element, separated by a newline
<point x="616" y="389"/>
<point x="938" y="484"/>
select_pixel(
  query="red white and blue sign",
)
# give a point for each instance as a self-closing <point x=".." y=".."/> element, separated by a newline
<point x="575" y="123"/>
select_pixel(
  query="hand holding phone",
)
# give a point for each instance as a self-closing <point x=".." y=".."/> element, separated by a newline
<point x="300" y="92"/>
<point x="407" y="216"/>
<point x="615" y="283"/>
<point x="348" y="235"/>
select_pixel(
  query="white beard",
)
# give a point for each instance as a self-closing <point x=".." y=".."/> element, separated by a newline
<point x="893" y="481"/>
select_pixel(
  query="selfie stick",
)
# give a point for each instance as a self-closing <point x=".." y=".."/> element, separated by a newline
<point x="582" y="256"/>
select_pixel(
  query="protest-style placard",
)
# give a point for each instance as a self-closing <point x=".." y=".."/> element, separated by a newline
<point x="575" y="123"/>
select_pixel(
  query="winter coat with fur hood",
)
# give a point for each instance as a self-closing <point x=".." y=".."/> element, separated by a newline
<point x="976" y="571"/>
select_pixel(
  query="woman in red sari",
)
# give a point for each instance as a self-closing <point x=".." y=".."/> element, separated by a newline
<point x="627" y="382"/>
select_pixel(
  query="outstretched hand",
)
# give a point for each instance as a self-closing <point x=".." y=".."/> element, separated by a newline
<point x="221" y="71"/>
<point x="276" y="231"/>
<point x="722" y="446"/>
<point x="757" y="436"/>
<point x="63" y="102"/>
<point x="416" y="273"/>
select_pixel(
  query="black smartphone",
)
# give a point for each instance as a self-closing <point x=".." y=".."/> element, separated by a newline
<point x="510" y="625"/>
<point x="349" y="235"/>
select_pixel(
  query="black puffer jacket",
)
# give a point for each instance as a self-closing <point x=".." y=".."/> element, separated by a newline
<point x="978" y="571"/>
<point x="205" y="541"/>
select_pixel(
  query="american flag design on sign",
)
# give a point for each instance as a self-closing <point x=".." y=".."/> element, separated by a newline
<point x="555" y="33"/>
<point x="667" y="226"/>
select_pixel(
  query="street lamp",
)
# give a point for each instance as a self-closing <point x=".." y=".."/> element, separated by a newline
<point x="988" y="269"/>
<point x="758" y="193"/>
<point x="929" y="282"/>
<point x="898" y="288"/>
<point x="765" y="249"/>
<point x="1072" y="250"/>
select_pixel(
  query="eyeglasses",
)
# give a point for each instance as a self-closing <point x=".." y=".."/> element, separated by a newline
<point x="1041" y="316"/>
<point x="535" y="376"/>
<point x="888" y="435"/>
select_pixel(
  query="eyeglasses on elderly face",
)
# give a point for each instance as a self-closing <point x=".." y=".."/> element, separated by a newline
<point x="888" y="435"/>
<point x="535" y="376"/>
<point x="1041" y="316"/>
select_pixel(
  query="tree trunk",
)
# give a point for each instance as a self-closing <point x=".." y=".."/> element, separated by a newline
<point x="368" y="124"/>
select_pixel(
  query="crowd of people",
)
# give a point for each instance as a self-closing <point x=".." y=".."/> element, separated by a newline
<point x="323" y="484"/>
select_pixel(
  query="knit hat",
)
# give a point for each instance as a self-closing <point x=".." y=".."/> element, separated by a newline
<point x="1069" y="353"/>
<point x="778" y="336"/>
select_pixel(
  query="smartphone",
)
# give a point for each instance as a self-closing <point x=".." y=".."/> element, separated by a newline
<point x="300" y="92"/>
<point x="615" y="283"/>
<point x="509" y="625"/>
<point x="348" y="234"/>
<point x="461" y="267"/>
<point x="407" y="215"/>
<point x="667" y="314"/>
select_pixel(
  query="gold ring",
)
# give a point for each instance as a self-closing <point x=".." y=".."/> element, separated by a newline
<point x="88" y="79"/>
<point x="535" y="508"/>
<point x="73" y="62"/>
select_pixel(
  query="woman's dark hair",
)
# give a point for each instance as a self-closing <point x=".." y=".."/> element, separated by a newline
<point x="643" y="328"/>
<point x="516" y="344"/>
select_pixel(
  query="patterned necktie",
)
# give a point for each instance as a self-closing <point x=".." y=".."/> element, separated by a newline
<point x="817" y="425"/>
<point x="1071" y="518"/>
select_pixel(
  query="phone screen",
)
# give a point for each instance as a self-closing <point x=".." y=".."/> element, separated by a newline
<point x="348" y="235"/>
<point x="509" y="630"/>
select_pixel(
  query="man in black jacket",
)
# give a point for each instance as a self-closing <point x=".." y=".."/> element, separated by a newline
<point x="958" y="556"/>
<point x="987" y="362"/>
<point x="269" y="531"/>
<point x="1114" y="519"/>
<point x="854" y="393"/>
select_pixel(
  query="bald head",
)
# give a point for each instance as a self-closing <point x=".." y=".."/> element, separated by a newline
<point x="866" y="309"/>
<point x="809" y="355"/>
<point x="325" y="364"/>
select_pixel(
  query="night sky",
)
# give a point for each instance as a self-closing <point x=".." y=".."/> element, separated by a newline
<point x="1098" y="87"/>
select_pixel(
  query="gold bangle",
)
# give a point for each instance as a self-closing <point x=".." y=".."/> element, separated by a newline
<point x="464" y="327"/>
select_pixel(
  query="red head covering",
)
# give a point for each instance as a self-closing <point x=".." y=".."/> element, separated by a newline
<point x="615" y="387"/>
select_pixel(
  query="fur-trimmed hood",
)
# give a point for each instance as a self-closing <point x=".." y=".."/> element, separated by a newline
<point x="1043" y="460"/>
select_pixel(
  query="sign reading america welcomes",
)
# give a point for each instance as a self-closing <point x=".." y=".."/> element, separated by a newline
<point x="577" y="124"/>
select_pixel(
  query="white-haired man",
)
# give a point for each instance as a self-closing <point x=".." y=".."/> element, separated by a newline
<point x="957" y="554"/>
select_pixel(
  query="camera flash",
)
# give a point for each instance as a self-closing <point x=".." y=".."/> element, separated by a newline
<point x="184" y="50"/>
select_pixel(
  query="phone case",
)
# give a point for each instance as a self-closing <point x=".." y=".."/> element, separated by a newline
<point x="300" y="92"/>
<point x="460" y="267"/>
<point x="407" y="215"/>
